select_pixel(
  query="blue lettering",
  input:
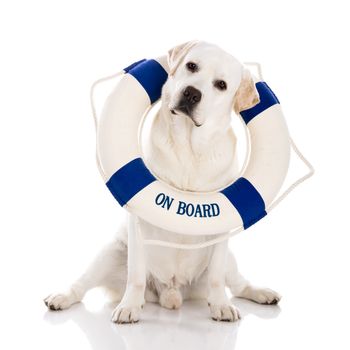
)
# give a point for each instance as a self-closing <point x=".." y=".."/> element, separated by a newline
<point x="215" y="209"/>
<point x="168" y="202"/>
<point x="198" y="211"/>
<point x="164" y="200"/>
<point x="181" y="208"/>
<point x="189" y="212"/>
<point x="160" y="198"/>
<point x="206" y="211"/>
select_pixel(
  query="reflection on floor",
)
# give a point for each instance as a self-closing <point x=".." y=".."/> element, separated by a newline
<point x="187" y="328"/>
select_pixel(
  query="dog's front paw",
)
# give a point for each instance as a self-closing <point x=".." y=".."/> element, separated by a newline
<point x="226" y="312"/>
<point x="59" y="301"/>
<point x="126" y="314"/>
<point x="260" y="295"/>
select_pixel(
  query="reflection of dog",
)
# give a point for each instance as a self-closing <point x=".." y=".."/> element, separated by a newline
<point x="203" y="335"/>
<point x="176" y="335"/>
<point x="192" y="147"/>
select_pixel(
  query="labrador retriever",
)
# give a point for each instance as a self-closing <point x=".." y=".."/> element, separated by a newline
<point x="192" y="146"/>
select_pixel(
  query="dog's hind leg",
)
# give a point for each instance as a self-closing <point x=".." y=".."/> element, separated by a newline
<point x="107" y="270"/>
<point x="242" y="288"/>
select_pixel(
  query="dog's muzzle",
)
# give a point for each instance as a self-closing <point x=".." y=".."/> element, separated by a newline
<point x="188" y="101"/>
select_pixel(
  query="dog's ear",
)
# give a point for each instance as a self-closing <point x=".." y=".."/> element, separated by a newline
<point x="246" y="95"/>
<point x="177" y="54"/>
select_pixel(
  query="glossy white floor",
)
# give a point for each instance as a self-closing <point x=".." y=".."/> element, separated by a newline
<point x="187" y="328"/>
<point x="308" y="322"/>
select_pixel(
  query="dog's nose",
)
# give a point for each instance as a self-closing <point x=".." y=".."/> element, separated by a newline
<point x="192" y="95"/>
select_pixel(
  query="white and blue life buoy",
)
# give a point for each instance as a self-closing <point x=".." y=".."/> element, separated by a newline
<point x="242" y="203"/>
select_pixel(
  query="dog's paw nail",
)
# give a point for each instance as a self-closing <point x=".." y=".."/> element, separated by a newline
<point x="226" y="313"/>
<point x="123" y="314"/>
<point x="261" y="295"/>
<point x="60" y="301"/>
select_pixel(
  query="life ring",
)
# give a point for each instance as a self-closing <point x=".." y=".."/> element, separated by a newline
<point x="242" y="203"/>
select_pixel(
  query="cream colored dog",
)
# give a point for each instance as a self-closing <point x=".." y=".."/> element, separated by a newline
<point x="191" y="146"/>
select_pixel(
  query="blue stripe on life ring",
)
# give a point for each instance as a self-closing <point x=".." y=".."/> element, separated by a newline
<point x="129" y="180"/>
<point x="151" y="75"/>
<point x="267" y="99"/>
<point x="247" y="200"/>
<point x="133" y="65"/>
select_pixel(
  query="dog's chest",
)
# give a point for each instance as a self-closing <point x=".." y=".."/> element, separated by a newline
<point x="174" y="266"/>
<point x="184" y="171"/>
<point x="177" y="267"/>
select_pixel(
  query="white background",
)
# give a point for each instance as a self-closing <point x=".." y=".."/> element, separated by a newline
<point x="56" y="211"/>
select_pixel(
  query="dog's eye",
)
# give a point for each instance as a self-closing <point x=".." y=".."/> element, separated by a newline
<point x="192" y="67"/>
<point x="220" y="84"/>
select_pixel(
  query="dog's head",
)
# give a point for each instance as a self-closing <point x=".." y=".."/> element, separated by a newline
<point x="205" y="83"/>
